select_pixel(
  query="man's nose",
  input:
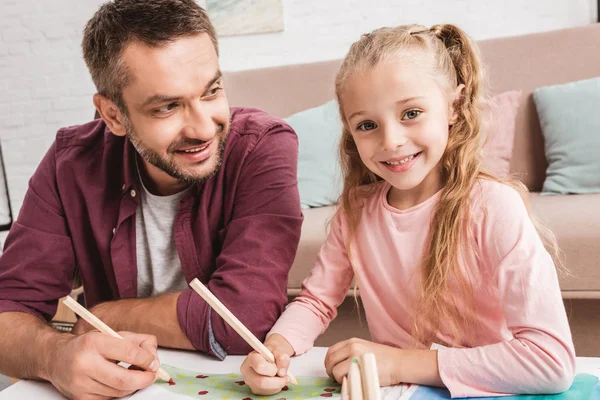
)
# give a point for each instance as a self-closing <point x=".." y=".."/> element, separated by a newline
<point x="199" y="124"/>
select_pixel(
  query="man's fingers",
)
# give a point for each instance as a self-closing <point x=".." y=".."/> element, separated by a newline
<point x="121" y="379"/>
<point x="128" y="352"/>
<point x="148" y="342"/>
<point x="101" y="391"/>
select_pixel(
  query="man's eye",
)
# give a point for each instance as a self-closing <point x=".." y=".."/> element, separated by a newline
<point x="411" y="114"/>
<point x="214" y="91"/>
<point x="366" y="126"/>
<point x="166" y="108"/>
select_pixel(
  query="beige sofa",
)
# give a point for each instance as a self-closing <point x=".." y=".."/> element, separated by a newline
<point x="523" y="62"/>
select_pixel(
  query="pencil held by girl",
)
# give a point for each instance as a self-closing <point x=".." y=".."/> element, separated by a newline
<point x="442" y="252"/>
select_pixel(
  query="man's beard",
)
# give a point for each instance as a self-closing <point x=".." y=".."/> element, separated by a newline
<point x="169" y="166"/>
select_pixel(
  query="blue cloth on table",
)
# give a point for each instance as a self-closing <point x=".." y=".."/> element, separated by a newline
<point x="584" y="387"/>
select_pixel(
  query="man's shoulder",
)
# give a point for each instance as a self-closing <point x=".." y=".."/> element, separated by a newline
<point x="89" y="149"/>
<point x="81" y="135"/>
<point x="87" y="142"/>
<point x="255" y="122"/>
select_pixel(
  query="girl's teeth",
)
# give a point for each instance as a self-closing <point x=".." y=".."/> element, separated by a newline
<point x="404" y="161"/>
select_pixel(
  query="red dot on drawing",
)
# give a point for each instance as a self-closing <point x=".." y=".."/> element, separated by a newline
<point x="240" y="383"/>
<point x="330" y="390"/>
<point x="171" y="382"/>
<point x="202" y="393"/>
<point x="327" y="395"/>
<point x="285" y="388"/>
<point x="246" y="398"/>
<point x="201" y="376"/>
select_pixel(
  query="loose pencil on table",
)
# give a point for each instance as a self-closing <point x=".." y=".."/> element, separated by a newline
<point x="235" y="323"/>
<point x="102" y="327"/>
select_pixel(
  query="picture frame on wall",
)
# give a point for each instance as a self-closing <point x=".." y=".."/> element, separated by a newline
<point x="244" y="17"/>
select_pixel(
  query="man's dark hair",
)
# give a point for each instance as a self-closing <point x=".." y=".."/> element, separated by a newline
<point x="118" y="23"/>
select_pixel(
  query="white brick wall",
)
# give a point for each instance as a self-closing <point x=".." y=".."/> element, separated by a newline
<point x="44" y="83"/>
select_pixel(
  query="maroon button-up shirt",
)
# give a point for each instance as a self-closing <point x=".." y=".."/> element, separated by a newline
<point x="237" y="232"/>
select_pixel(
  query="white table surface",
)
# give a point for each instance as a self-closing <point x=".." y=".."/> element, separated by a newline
<point x="310" y="364"/>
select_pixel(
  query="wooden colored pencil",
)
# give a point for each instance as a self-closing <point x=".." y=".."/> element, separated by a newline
<point x="102" y="327"/>
<point x="344" y="394"/>
<point x="370" y="376"/>
<point x="355" y="381"/>
<point x="235" y="323"/>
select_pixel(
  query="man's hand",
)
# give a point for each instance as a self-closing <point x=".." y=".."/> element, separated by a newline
<point x="266" y="378"/>
<point x="84" y="367"/>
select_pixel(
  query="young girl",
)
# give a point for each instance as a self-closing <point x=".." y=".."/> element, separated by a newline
<point x="442" y="252"/>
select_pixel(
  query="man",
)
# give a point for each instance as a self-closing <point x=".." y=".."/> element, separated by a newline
<point x="171" y="184"/>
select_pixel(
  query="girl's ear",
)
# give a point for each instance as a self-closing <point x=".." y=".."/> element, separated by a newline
<point x="456" y="99"/>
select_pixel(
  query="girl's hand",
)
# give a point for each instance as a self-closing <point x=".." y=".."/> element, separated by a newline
<point x="266" y="378"/>
<point x="339" y="357"/>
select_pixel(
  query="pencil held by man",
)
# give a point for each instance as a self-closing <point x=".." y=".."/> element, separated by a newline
<point x="102" y="327"/>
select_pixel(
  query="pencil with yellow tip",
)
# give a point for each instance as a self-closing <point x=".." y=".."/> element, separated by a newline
<point x="236" y="324"/>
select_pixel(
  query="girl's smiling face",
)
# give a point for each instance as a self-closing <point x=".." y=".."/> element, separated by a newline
<point x="399" y="114"/>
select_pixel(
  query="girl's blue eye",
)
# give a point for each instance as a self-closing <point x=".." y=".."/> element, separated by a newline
<point x="411" y="114"/>
<point x="366" y="126"/>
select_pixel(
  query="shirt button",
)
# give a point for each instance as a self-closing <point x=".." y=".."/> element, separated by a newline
<point x="133" y="193"/>
<point x="114" y="230"/>
<point x="123" y="187"/>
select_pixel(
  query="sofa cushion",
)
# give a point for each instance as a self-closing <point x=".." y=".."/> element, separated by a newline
<point x="314" y="232"/>
<point x="499" y="132"/>
<point x="318" y="130"/>
<point x="570" y="123"/>
<point x="573" y="219"/>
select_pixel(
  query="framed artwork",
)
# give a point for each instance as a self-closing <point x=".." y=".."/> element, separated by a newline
<point x="243" y="17"/>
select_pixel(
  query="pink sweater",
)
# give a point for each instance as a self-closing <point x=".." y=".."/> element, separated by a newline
<point x="522" y="343"/>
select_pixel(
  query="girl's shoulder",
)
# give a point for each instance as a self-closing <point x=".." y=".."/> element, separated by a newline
<point x="492" y="198"/>
<point x="368" y="200"/>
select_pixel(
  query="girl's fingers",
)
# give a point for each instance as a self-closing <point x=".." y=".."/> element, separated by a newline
<point x="336" y="357"/>
<point x="260" y="384"/>
<point x="261" y="365"/>
<point x="266" y="386"/>
<point x="283" y="363"/>
<point x="341" y="370"/>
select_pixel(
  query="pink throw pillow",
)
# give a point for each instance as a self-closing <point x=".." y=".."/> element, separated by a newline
<point x="498" y="128"/>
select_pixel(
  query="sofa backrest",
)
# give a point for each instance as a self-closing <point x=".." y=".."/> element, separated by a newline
<point x="521" y="62"/>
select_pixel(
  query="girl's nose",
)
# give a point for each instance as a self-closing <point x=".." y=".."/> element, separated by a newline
<point x="393" y="137"/>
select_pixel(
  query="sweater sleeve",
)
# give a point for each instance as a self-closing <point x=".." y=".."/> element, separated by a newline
<point x="540" y="357"/>
<point x="322" y="292"/>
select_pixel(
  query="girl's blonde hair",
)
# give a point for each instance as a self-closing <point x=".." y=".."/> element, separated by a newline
<point x="456" y="62"/>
